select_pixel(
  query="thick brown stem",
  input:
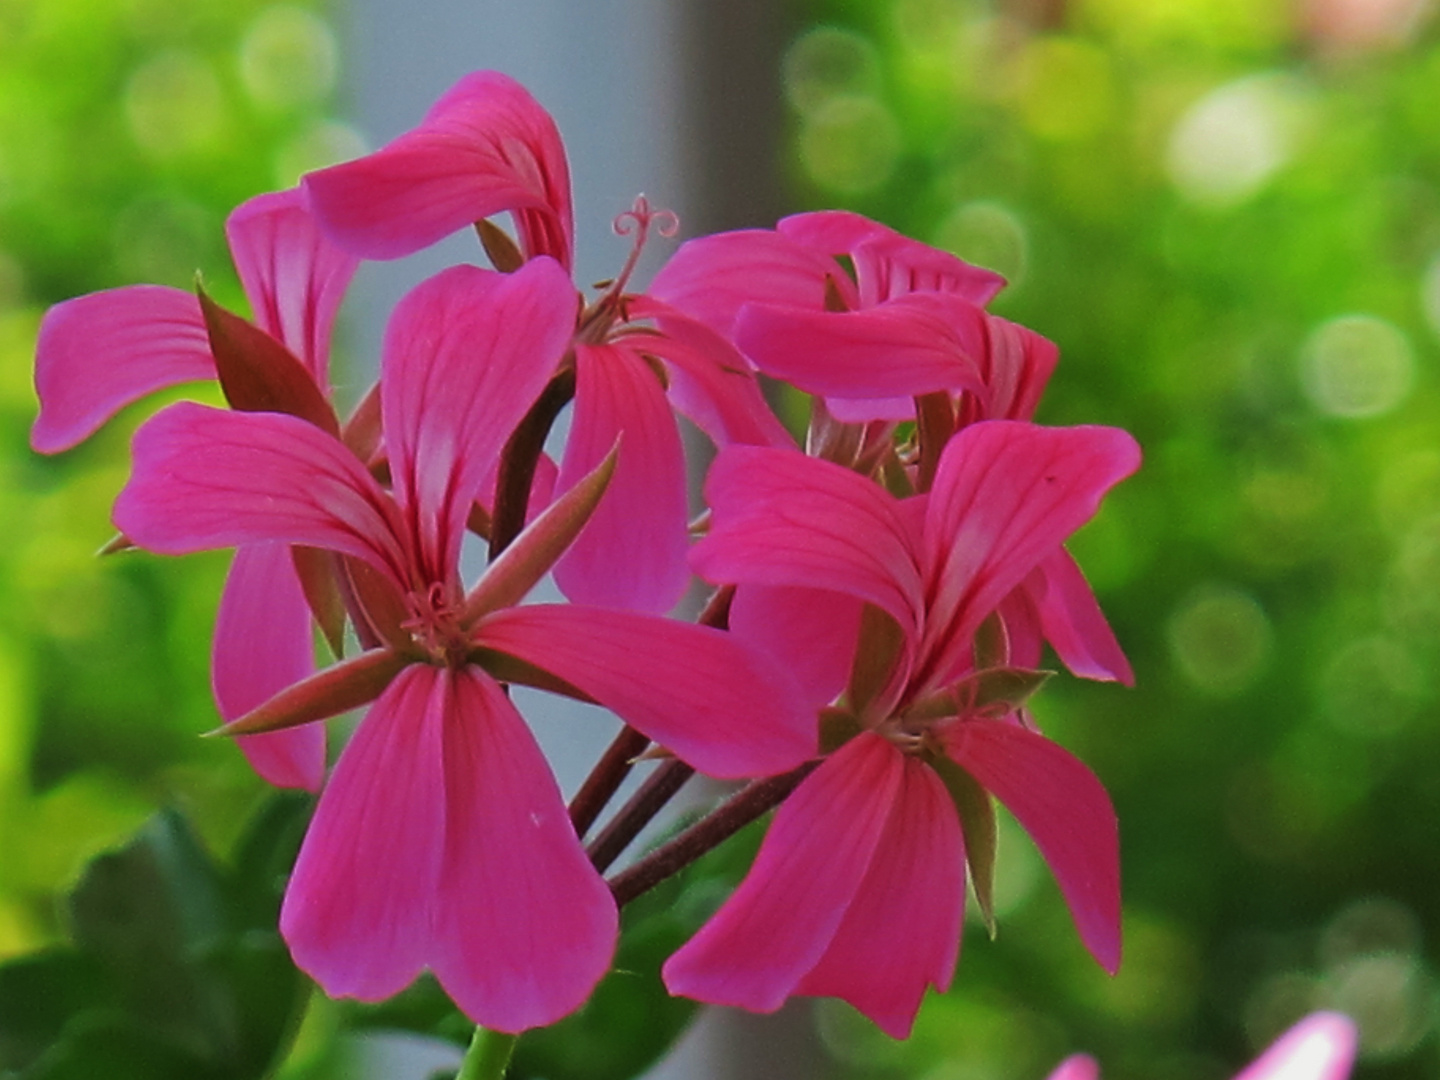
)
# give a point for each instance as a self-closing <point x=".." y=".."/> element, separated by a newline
<point x="518" y="460"/>
<point x="706" y="834"/>
<point x="653" y="794"/>
<point x="605" y="778"/>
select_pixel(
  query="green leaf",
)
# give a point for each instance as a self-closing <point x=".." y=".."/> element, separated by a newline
<point x="40" y="994"/>
<point x="114" y="1047"/>
<point x="177" y="970"/>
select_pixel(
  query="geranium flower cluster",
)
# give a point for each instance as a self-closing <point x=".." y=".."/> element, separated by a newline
<point x="884" y="592"/>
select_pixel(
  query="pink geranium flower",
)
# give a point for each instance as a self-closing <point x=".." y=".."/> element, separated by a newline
<point x="1319" y="1047"/>
<point x="441" y="840"/>
<point x="896" y="320"/>
<point x="487" y="147"/>
<point x="858" y="889"/>
<point x="98" y="353"/>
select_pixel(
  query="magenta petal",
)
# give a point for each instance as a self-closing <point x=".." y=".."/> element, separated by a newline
<point x="1018" y="365"/>
<point x="466" y="353"/>
<point x="712" y="277"/>
<point x="1319" y="1047"/>
<point x="98" y="353"/>
<point x="711" y="384"/>
<point x="903" y="348"/>
<point x="209" y="478"/>
<point x="888" y="263"/>
<point x="710" y="699"/>
<point x="1006" y="495"/>
<point x="263" y="645"/>
<point x="525" y="925"/>
<point x="1073" y="623"/>
<point x="812" y="633"/>
<point x="777" y="925"/>
<point x="1066" y="811"/>
<point x="631" y="553"/>
<point x="902" y="932"/>
<point x="1076" y="1067"/>
<point x="360" y="911"/>
<point x="486" y="147"/>
<point x="781" y="518"/>
<point x="293" y="275"/>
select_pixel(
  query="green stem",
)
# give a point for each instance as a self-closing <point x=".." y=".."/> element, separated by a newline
<point x="488" y="1056"/>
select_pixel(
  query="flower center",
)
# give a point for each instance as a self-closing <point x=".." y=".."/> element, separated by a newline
<point x="434" y="625"/>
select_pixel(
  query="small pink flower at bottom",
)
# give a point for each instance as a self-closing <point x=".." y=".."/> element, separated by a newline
<point x="1319" y="1047"/>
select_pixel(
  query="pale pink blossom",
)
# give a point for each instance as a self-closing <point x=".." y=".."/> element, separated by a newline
<point x="858" y="889"/>
<point x="1319" y="1047"/>
<point x="98" y="353"/>
<point x="441" y="840"/>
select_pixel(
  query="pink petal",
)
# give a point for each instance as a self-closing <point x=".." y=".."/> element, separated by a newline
<point x="776" y="926"/>
<point x="902" y="932"/>
<point x="293" y="276"/>
<point x="1006" y="495"/>
<point x="210" y="478"/>
<point x="360" y="911"/>
<point x="887" y="263"/>
<point x="1064" y="808"/>
<point x="908" y="346"/>
<point x="1076" y="1067"/>
<point x="710" y="382"/>
<point x="812" y="633"/>
<point x="712" y="277"/>
<point x="1319" y="1047"/>
<point x="486" y="147"/>
<point x="781" y="518"/>
<point x="1073" y="622"/>
<point x="1017" y="363"/>
<point x="702" y="693"/>
<point x="524" y="924"/>
<point x="262" y="645"/>
<point x="98" y="353"/>
<point x="631" y="554"/>
<point x="466" y="354"/>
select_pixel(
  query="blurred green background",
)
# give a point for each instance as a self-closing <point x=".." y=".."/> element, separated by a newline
<point x="1227" y="214"/>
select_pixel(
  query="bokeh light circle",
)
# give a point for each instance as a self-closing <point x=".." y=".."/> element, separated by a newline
<point x="1220" y="638"/>
<point x="1357" y="366"/>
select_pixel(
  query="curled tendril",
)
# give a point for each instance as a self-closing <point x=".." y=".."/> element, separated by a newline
<point x="637" y="222"/>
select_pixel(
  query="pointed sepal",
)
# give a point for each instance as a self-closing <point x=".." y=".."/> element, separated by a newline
<point x="258" y="374"/>
<point x="316" y="570"/>
<point x="527" y="560"/>
<point x="334" y="690"/>
<point x="976" y="808"/>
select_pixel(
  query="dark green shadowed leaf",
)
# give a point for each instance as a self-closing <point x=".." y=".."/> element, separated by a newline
<point x="177" y="968"/>
<point x="39" y="995"/>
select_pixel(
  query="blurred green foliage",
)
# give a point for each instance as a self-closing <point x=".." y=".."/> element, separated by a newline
<point x="1227" y="214"/>
<point x="128" y="131"/>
